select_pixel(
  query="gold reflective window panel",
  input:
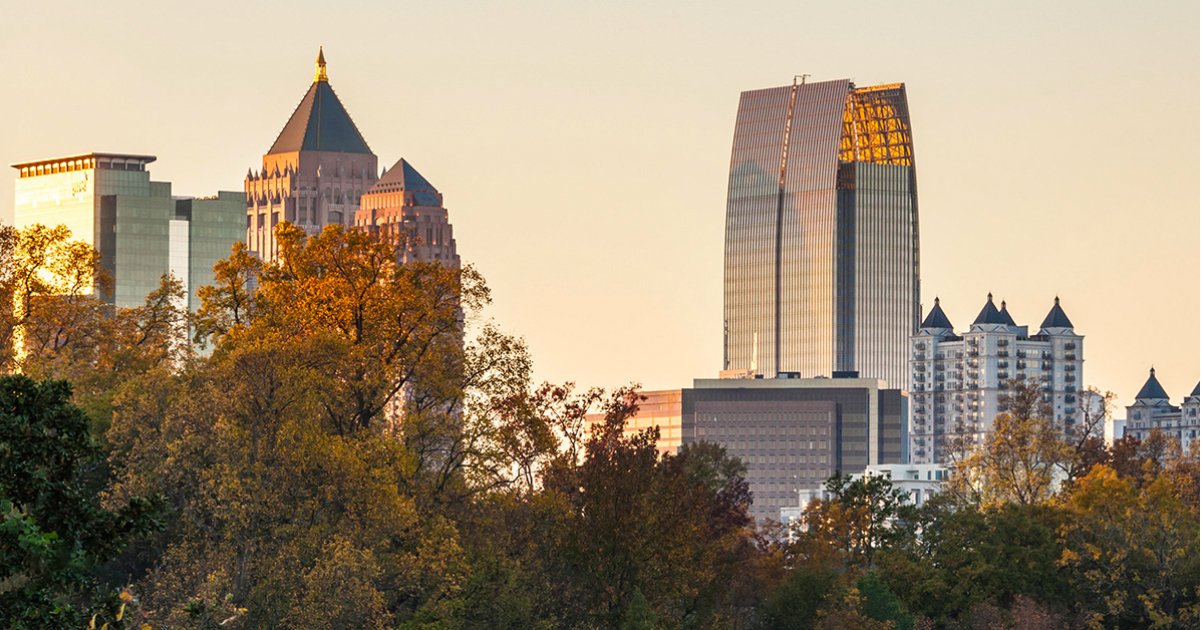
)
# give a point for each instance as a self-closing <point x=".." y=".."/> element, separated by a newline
<point x="875" y="127"/>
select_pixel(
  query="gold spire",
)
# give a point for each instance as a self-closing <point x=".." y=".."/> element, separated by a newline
<point x="321" y="77"/>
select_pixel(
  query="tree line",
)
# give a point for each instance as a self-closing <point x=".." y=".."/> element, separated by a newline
<point x="339" y="441"/>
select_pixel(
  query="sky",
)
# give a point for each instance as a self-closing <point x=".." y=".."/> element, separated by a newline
<point x="583" y="148"/>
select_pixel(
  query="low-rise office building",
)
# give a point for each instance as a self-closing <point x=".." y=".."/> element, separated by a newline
<point x="791" y="433"/>
<point x="142" y="232"/>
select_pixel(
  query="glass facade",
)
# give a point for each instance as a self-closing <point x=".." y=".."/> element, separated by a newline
<point x="214" y="225"/>
<point x="821" y="268"/>
<point x="141" y="232"/>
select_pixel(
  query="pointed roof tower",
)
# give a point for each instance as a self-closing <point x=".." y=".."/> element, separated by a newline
<point x="1196" y="392"/>
<point x="320" y="122"/>
<point x="403" y="177"/>
<point x="989" y="314"/>
<point x="1152" y="390"/>
<point x="1056" y="318"/>
<point x="1006" y="316"/>
<point x="936" y="318"/>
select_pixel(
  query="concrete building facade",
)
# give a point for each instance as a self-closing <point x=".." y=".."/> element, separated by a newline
<point x="959" y="381"/>
<point x="314" y="173"/>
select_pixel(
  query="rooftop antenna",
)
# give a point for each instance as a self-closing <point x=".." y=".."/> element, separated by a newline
<point x="802" y="77"/>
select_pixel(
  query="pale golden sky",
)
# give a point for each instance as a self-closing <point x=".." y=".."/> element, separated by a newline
<point x="582" y="148"/>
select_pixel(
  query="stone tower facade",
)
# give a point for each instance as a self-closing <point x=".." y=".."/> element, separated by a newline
<point x="315" y="172"/>
<point x="404" y="206"/>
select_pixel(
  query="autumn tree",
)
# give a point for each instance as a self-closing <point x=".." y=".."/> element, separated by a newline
<point x="49" y="300"/>
<point x="1132" y="547"/>
<point x="1019" y="458"/>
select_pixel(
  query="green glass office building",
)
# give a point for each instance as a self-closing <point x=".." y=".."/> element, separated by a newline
<point x="108" y="201"/>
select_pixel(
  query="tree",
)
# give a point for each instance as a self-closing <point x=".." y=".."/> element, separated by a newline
<point x="1132" y="548"/>
<point x="1085" y="439"/>
<point x="54" y="533"/>
<point x="228" y="303"/>
<point x="671" y="529"/>
<point x="859" y="518"/>
<point x="1019" y="457"/>
<point x="49" y="286"/>
<point x="964" y="557"/>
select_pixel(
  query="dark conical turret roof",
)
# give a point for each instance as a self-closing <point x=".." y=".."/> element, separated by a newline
<point x="989" y="314"/>
<point x="403" y="177"/>
<point x="1056" y="318"/>
<point x="1152" y="390"/>
<point x="1196" y="391"/>
<point x="320" y="122"/>
<point x="936" y="318"/>
<point x="1005" y="314"/>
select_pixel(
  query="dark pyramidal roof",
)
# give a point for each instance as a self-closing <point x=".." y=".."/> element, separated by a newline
<point x="1005" y="314"/>
<point x="936" y="318"/>
<point x="1056" y="318"/>
<point x="1152" y="390"/>
<point x="402" y="176"/>
<point x="320" y="122"/>
<point x="990" y="315"/>
<point x="1196" y="390"/>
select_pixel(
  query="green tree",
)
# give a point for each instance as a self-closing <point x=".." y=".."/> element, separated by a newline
<point x="54" y="533"/>
<point x="960" y="556"/>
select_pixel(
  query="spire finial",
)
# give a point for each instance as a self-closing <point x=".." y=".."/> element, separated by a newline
<point x="990" y="296"/>
<point x="936" y="300"/>
<point x="1057" y="300"/>
<point x="321" y="76"/>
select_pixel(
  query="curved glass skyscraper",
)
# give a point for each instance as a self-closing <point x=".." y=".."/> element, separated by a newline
<point x="821" y="250"/>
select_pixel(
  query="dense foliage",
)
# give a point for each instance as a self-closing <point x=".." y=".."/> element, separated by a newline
<point x="354" y="446"/>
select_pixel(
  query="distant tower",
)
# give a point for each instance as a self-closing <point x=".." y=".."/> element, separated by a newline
<point x="314" y="173"/>
<point x="821" y="247"/>
<point x="403" y="204"/>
